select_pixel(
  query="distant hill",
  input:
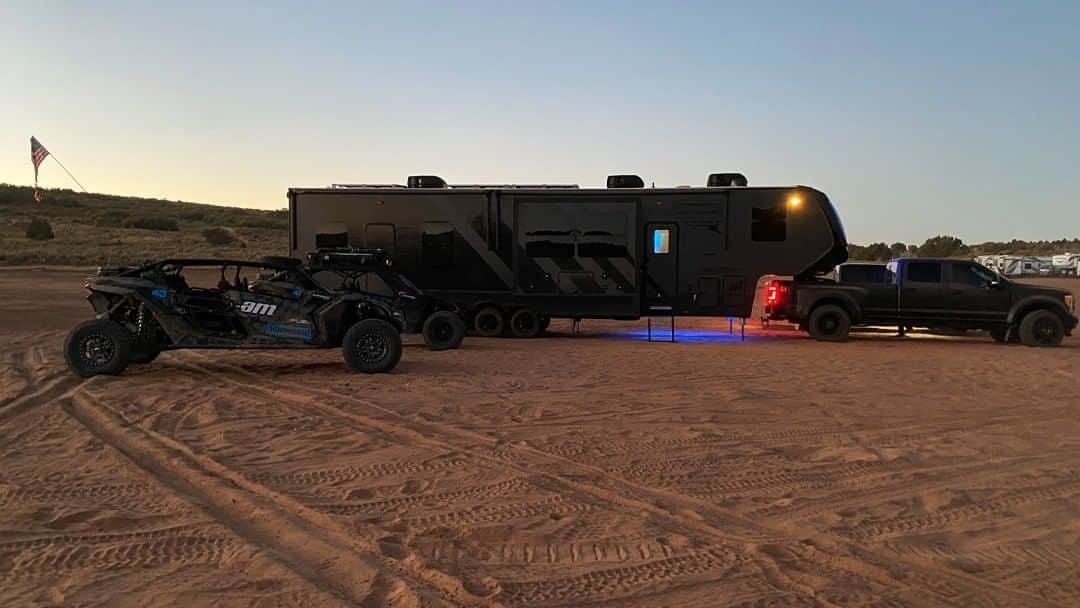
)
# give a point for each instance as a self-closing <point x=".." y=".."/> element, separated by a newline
<point x="91" y="229"/>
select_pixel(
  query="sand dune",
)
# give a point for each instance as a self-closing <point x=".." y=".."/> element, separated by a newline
<point x="597" y="470"/>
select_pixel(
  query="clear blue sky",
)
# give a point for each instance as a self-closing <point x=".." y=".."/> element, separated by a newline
<point x="916" y="118"/>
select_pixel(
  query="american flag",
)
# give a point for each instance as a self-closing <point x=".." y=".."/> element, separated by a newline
<point x="37" y="154"/>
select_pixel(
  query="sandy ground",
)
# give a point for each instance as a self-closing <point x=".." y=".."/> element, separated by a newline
<point x="565" y="471"/>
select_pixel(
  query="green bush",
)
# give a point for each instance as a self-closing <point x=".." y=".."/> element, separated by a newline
<point x="110" y="219"/>
<point x="192" y="216"/>
<point x="39" y="230"/>
<point x="220" y="236"/>
<point x="153" y="222"/>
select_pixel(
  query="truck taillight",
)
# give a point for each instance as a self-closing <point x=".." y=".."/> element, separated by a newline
<point x="775" y="294"/>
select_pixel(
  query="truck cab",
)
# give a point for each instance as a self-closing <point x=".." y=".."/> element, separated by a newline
<point x="924" y="293"/>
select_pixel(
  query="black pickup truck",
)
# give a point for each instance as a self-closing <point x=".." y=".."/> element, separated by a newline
<point x="925" y="293"/>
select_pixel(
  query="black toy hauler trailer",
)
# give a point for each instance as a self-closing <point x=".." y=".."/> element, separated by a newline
<point x="515" y="256"/>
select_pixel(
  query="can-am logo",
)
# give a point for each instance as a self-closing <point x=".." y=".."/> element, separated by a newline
<point x="257" y="308"/>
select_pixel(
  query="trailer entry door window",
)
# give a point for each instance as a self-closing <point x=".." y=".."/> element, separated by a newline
<point x="661" y="241"/>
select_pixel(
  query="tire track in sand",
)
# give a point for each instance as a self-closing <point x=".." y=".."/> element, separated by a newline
<point x="579" y="478"/>
<point x="312" y="545"/>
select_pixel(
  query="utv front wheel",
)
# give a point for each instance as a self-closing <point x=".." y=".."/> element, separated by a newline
<point x="829" y="323"/>
<point x="98" y="347"/>
<point x="443" y="330"/>
<point x="1042" y="328"/>
<point x="372" y="346"/>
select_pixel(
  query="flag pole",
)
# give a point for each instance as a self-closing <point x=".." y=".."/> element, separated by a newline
<point x="53" y="156"/>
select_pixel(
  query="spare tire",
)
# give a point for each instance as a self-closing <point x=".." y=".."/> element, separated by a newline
<point x="829" y="323"/>
<point x="489" y="322"/>
<point x="443" y="330"/>
<point x="372" y="346"/>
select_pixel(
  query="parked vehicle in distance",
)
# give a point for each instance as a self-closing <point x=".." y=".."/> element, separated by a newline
<point x="145" y="310"/>
<point x="924" y="293"/>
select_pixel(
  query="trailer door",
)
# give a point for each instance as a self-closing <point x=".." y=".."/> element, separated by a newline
<point x="661" y="266"/>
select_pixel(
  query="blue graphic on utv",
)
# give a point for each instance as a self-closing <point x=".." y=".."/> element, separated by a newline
<point x="304" y="332"/>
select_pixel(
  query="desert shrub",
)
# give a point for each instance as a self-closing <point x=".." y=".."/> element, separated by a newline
<point x="192" y="216"/>
<point x="152" y="222"/>
<point x="39" y="230"/>
<point x="263" y="222"/>
<point x="220" y="236"/>
<point x="110" y="219"/>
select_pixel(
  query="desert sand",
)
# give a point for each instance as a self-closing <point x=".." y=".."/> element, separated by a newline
<point x="590" y="470"/>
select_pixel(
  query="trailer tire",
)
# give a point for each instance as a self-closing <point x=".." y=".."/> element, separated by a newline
<point x="829" y="323"/>
<point x="1041" y="328"/>
<point x="525" y="323"/>
<point x="372" y="346"/>
<point x="489" y="322"/>
<point x="443" y="330"/>
<point x="98" y="347"/>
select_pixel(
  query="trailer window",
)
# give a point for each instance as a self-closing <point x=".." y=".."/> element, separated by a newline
<point x="381" y="236"/>
<point x="924" y="272"/>
<point x="437" y="245"/>
<point x="769" y="224"/>
<point x="661" y="241"/>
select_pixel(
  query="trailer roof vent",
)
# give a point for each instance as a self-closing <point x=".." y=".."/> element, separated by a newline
<point x="426" y="181"/>
<point x="624" y="181"/>
<point x="723" y="180"/>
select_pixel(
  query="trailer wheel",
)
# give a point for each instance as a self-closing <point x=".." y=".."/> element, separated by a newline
<point x="489" y="322"/>
<point x="525" y="324"/>
<point x="829" y="323"/>
<point x="443" y="330"/>
<point x="98" y="347"/>
<point x="372" y="346"/>
<point x="1041" y="328"/>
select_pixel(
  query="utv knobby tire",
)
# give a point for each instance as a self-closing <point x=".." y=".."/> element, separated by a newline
<point x="829" y="323"/>
<point x="372" y="346"/>
<point x="443" y="330"/>
<point x="1041" y="328"/>
<point x="98" y="347"/>
<point x="489" y="322"/>
<point x="525" y="324"/>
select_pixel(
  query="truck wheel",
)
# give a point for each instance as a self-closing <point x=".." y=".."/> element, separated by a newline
<point x="1041" y="328"/>
<point x="829" y="323"/>
<point x="525" y="324"/>
<point x="489" y="322"/>
<point x="372" y="346"/>
<point x="98" y="347"/>
<point x="443" y="330"/>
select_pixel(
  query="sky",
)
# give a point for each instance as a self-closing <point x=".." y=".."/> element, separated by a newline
<point x="917" y="119"/>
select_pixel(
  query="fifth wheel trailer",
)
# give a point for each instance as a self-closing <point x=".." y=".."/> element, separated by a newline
<point x="523" y="253"/>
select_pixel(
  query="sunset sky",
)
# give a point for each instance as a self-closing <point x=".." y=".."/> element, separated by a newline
<point x="916" y="118"/>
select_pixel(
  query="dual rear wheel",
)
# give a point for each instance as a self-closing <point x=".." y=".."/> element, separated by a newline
<point x="490" y="322"/>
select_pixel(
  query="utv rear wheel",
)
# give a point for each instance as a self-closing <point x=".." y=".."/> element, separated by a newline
<point x="444" y="330"/>
<point x="372" y="346"/>
<point x="98" y="347"/>
<point x="489" y="322"/>
<point x="525" y="324"/>
<point x="1042" y="328"/>
<point x="829" y="323"/>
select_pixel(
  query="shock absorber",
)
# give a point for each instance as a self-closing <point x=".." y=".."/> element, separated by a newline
<point x="140" y="322"/>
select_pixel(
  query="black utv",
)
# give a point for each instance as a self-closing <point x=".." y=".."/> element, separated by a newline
<point x="144" y="310"/>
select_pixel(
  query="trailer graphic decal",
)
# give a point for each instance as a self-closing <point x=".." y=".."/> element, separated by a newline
<point x="251" y="307"/>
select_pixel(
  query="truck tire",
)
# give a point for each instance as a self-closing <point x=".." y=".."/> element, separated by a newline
<point x="98" y="347"/>
<point x="489" y="322"/>
<point x="443" y="330"/>
<point x="1041" y="328"/>
<point x="829" y="323"/>
<point x="372" y="346"/>
<point x="525" y="324"/>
